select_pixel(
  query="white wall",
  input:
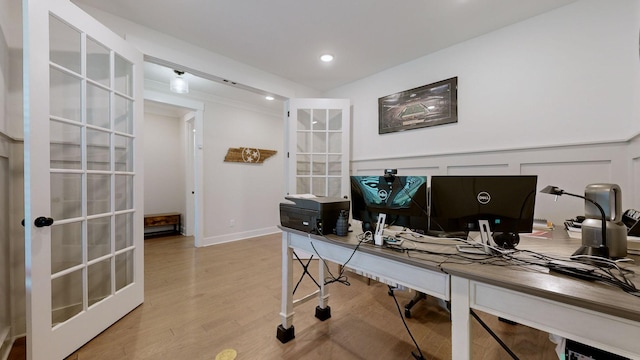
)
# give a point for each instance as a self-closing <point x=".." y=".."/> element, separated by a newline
<point x="556" y="96"/>
<point x="164" y="165"/>
<point x="5" y="242"/>
<point x="565" y="77"/>
<point x="241" y="200"/>
<point x="10" y="22"/>
<point x="12" y="288"/>
<point x="4" y="81"/>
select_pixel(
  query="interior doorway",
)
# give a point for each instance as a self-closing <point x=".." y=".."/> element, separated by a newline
<point x="187" y="116"/>
<point x="202" y="88"/>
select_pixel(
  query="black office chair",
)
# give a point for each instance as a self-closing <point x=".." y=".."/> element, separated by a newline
<point x="422" y="296"/>
<point x="416" y="299"/>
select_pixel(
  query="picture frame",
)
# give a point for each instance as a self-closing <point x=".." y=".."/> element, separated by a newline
<point x="424" y="106"/>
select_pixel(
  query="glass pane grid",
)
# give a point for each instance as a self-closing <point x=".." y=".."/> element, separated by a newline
<point x="304" y="119"/>
<point x="66" y="246"/>
<point x="65" y="142"/>
<point x="124" y="273"/>
<point x="65" y="94"/>
<point x="319" y="152"/>
<point x="319" y="121"/>
<point x="99" y="237"/>
<point x="98" y="106"/>
<point x="99" y="281"/>
<point x="65" y="44"/>
<point x="123" y="76"/>
<point x="92" y="171"/>
<point x="122" y="114"/>
<point x="98" y="59"/>
<point x="98" y="150"/>
<point x="66" y="297"/>
<point x="123" y="231"/>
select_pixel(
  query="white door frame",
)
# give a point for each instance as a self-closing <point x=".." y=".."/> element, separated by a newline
<point x="188" y="126"/>
<point x="198" y="163"/>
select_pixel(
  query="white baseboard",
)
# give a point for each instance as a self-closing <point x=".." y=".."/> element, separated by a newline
<point x="213" y="240"/>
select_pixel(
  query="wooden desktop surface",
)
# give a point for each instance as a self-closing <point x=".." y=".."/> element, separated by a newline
<point x="535" y="281"/>
<point x="593" y="313"/>
<point x="585" y="294"/>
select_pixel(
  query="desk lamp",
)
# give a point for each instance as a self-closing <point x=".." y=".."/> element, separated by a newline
<point x="601" y="249"/>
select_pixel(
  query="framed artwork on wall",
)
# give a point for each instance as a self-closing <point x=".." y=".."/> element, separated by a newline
<point x="428" y="105"/>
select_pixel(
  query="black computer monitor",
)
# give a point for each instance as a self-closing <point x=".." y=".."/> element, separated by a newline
<point x="507" y="202"/>
<point x="402" y="198"/>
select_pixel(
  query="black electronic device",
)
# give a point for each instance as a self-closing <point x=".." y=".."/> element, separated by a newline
<point x="458" y="203"/>
<point x="631" y="219"/>
<point x="574" y="350"/>
<point x="316" y="215"/>
<point x="402" y="198"/>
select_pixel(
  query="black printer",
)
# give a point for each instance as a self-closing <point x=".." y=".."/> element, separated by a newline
<point x="316" y="215"/>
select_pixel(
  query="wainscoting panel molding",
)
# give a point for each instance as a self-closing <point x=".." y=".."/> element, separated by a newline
<point x="569" y="167"/>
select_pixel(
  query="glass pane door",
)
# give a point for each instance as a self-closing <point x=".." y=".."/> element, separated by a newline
<point x="319" y="146"/>
<point x="83" y="229"/>
<point x="91" y="167"/>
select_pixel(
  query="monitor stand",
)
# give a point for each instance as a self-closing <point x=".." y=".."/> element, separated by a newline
<point x="377" y="236"/>
<point x="485" y="235"/>
<point x="483" y="245"/>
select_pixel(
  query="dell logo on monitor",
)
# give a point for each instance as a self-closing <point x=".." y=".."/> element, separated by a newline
<point x="483" y="197"/>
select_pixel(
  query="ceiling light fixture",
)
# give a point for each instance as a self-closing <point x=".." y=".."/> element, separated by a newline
<point x="178" y="84"/>
<point x="270" y="98"/>
<point x="326" y="57"/>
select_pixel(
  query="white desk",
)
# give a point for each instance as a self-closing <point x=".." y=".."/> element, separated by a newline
<point x="388" y="266"/>
<point x="595" y="314"/>
<point x="591" y="313"/>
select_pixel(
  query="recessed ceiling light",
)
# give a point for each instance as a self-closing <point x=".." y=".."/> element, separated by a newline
<point x="270" y="98"/>
<point x="326" y="57"/>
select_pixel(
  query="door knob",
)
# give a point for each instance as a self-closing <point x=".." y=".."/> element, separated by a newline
<point x="42" y="221"/>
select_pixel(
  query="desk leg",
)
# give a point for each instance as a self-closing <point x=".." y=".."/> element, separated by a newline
<point x="323" y="311"/>
<point x="285" y="331"/>
<point x="460" y="319"/>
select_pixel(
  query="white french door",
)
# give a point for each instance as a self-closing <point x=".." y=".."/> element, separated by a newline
<point x="83" y="179"/>
<point x="318" y="149"/>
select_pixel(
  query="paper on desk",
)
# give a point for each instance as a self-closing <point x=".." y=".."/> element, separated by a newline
<point x="542" y="224"/>
<point x="539" y="234"/>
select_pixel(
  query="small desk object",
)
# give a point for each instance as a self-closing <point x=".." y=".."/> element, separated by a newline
<point x="313" y="214"/>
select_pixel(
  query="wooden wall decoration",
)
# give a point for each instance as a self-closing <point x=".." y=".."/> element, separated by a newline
<point x="248" y="155"/>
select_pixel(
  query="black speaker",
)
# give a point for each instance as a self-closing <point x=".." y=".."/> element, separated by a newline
<point x="506" y="240"/>
<point x="631" y="219"/>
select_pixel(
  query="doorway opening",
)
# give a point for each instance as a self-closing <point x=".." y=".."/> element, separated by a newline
<point x="173" y="159"/>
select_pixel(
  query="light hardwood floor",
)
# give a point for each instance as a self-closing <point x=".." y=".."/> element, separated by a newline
<point x="199" y="302"/>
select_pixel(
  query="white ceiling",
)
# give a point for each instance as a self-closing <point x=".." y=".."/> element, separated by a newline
<point x="286" y="37"/>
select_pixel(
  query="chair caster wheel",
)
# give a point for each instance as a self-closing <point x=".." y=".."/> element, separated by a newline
<point x="407" y="313"/>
